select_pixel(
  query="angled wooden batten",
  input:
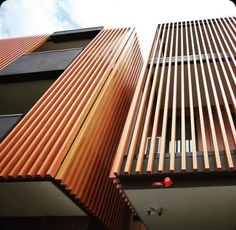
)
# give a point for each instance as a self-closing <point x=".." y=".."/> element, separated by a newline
<point x="12" y="48"/>
<point x="71" y="134"/>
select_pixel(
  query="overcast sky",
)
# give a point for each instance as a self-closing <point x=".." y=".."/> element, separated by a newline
<point x="28" y="17"/>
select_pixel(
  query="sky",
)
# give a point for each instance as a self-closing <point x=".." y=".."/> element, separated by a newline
<point x="30" y="17"/>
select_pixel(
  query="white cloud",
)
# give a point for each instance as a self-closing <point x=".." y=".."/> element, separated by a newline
<point x="23" y="17"/>
<point x="27" y="17"/>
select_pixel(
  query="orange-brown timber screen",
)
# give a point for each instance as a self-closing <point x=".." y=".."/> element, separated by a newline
<point x="12" y="48"/>
<point x="189" y="81"/>
<point x="71" y="134"/>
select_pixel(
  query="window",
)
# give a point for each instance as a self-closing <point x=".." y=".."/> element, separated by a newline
<point x="177" y="138"/>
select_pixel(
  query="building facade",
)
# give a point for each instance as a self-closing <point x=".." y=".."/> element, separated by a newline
<point x="64" y="100"/>
<point x="93" y="137"/>
<point x="176" y="158"/>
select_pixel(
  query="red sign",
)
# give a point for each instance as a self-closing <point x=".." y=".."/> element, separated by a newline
<point x="166" y="183"/>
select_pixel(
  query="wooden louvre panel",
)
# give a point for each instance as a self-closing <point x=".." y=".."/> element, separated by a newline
<point x="71" y="134"/>
<point x="187" y="101"/>
<point x="12" y="48"/>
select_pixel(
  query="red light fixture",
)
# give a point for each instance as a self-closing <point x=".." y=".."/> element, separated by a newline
<point x="166" y="183"/>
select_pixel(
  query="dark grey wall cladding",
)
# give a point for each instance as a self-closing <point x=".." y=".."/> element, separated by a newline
<point x="69" y="35"/>
<point x="41" y="62"/>
<point x="7" y="123"/>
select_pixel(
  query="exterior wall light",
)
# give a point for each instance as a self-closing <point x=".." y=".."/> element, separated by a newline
<point x="154" y="211"/>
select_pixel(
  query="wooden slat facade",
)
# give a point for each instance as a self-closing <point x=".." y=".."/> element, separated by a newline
<point x="71" y="134"/>
<point x="186" y="94"/>
<point x="12" y="48"/>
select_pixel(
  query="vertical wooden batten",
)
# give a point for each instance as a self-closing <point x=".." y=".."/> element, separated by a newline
<point x="173" y="122"/>
<point x="192" y="65"/>
<point x="199" y="100"/>
<point x="213" y="131"/>
<point x="191" y="108"/>
<point x="141" y="151"/>
<point x="158" y="104"/>
<point x="166" y="102"/>
<point x="183" y="133"/>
